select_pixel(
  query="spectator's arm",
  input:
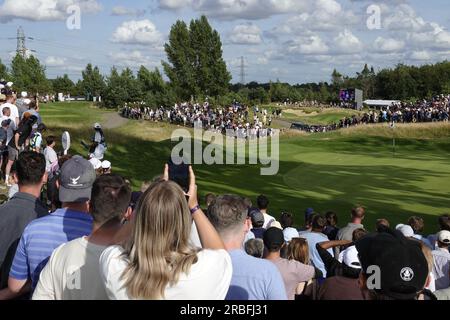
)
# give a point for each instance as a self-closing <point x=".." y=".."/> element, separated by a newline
<point x="19" y="287"/>
<point x="15" y="289"/>
<point x="329" y="261"/>
<point x="16" y="140"/>
<point x="332" y="244"/>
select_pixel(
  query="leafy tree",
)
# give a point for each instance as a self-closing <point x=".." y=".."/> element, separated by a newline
<point x="63" y="85"/>
<point x="3" y="71"/>
<point x="29" y="75"/>
<point x="93" y="82"/>
<point x="196" y="66"/>
<point x="336" y="79"/>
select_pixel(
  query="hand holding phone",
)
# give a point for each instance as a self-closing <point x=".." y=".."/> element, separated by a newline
<point x="179" y="173"/>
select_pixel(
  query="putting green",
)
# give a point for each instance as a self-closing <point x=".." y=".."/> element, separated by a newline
<point x="332" y="171"/>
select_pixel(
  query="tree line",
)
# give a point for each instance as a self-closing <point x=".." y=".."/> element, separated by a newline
<point x="195" y="70"/>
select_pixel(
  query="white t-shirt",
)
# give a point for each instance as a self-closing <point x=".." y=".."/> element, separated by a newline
<point x="268" y="220"/>
<point x="14" y="111"/>
<point x="208" y="279"/>
<point x="72" y="273"/>
<point x="50" y="158"/>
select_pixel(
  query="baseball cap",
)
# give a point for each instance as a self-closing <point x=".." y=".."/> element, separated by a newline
<point x="97" y="164"/>
<point x="289" y="234"/>
<point x="444" y="237"/>
<point x="106" y="164"/>
<point x="276" y="224"/>
<point x="97" y="126"/>
<point x="403" y="266"/>
<point x="256" y="216"/>
<point x="6" y="122"/>
<point x="309" y="212"/>
<point x="76" y="180"/>
<point x="406" y="230"/>
<point x="273" y="237"/>
<point x="350" y="258"/>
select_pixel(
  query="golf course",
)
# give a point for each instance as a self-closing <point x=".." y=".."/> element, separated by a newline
<point x="325" y="171"/>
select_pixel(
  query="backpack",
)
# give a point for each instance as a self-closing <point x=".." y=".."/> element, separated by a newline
<point x="33" y="141"/>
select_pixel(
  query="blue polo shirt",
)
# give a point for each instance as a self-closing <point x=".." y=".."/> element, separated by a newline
<point x="254" y="279"/>
<point x="44" y="235"/>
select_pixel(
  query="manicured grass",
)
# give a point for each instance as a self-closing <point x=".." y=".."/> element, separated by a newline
<point x="331" y="171"/>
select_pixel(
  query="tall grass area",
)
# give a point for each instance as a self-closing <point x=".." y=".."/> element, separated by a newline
<point x="329" y="171"/>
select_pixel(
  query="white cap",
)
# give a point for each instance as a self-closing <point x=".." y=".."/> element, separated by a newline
<point x="444" y="237"/>
<point x="350" y="258"/>
<point x="106" y="164"/>
<point x="9" y="84"/>
<point x="1" y="86"/>
<point x="289" y="234"/>
<point x="407" y="231"/>
<point x="97" y="164"/>
<point x="24" y="94"/>
<point x="97" y="126"/>
<point x="276" y="224"/>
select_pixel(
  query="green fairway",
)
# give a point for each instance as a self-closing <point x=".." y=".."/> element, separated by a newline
<point x="331" y="171"/>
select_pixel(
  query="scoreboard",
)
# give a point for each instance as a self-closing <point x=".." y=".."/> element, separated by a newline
<point x="352" y="96"/>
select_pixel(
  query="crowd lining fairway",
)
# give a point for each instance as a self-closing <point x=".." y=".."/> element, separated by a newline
<point x="331" y="171"/>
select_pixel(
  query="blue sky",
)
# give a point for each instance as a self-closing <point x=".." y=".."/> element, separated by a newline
<point x="295" y="41"/>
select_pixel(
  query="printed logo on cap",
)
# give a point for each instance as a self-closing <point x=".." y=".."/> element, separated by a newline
<point x="407" y="274"/>
<point x="74" y="182"/>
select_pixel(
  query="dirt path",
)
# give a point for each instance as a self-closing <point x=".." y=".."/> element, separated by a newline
<point x="113" y="120"/>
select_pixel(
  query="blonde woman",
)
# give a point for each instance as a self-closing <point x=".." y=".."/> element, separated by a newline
<point x="298" y="250"/>
<point x="159" y="262"/>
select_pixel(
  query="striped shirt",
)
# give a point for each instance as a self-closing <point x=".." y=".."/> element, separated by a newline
<point x="44" y="235"/>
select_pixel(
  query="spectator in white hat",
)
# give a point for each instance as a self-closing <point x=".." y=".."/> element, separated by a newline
<point x="287" y="222"/>
<point x="406" y="230"/>
<point x="345" y="286"/>
<point x="441" y="261"/>
<point x="106" y="166"/>
<point x="97" y="164"/>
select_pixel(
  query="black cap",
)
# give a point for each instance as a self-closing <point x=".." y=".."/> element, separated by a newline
<point x="273" y="237"/>
<point x="403" y="266"/>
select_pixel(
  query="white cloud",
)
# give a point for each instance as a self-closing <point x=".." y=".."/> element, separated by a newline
<point x="246" y="34"/>
<point x="52" y="61"/>
<point x="346" y="42"/>
<point x="123" y="11"/>
<point x="420" y="55"/>
<point x="388" y="44"/>
<point x="43" y="10"/>
<point x="322" y="15"/>
<point x="307" y="45"/>
<point x="238" y="9"/>
<point x="405" y="18"/>
<point x="133" y="58"/>
<point x="141" y="32"/>
<point x="262" y="61"/>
